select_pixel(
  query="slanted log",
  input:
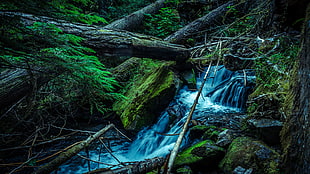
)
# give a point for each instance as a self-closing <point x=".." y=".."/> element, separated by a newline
<point x="135" y="168"/>
<point x="134" y="20"/>
<point x="65" y="156"/>
<point x="199" y="24"/>
<point x="112" y="42"/>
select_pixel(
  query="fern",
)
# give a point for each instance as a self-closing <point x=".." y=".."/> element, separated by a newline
<point x="83" y="79"/>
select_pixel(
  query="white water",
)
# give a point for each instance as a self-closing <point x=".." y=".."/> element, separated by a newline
<point x="224" y="93"/>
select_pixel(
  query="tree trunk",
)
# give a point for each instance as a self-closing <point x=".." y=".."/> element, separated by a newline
<point x="15" y="84"/>
<point x="136" y="168"/>
<point x="202" y="23"/>
<point x="113" y="42"/>
<point x="296" y="132"/>
<point x="134" y="20"/>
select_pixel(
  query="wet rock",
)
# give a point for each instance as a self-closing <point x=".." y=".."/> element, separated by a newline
<point x="241" y="170"/>
<point x="189" y="78"/>
<point x="147" y="97"/>
<point x="267" y="129"/>
<point x="203" y="156"/>
<point x="250" y="154"/>
<point x="226" y="137"/>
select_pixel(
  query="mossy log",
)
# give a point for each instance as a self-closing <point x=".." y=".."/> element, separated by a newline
<point x="64" y="156"/>
<point x="135" y="19"/>
<point x="110" y="41"/>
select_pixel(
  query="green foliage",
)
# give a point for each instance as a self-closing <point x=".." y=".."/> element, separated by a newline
<point x="120" y="8"/>
<point x="81" y="78"/>
<point x="270" y="70"/>
<point x="71" y="10"/>
<point x="162" y="24"/>
<point x="242" y="23"/>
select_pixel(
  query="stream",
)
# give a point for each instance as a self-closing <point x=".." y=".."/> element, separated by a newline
<point x="221" y="103"/>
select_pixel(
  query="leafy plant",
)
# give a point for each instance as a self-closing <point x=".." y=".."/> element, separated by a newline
<point x="81" y="78"/>
<point x="162" y="24"/>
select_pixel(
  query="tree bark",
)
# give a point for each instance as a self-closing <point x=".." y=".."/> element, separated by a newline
<point x="113" y="42"/>
<point x="136" y="168"/>
<point x="64" y="156"/>
<point x="295" y="136"/>
<point x="134" y="20"/>
<point x="15" y="84"/>
<point x="201" y="23"/>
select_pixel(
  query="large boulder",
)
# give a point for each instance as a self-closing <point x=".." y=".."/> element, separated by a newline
<point x="250" y="154"/>
<point x="147" y="97"/>
<point x="203" y="156"/>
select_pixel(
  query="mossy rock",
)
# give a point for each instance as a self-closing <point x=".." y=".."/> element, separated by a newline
<point x="203" y="156"/>
<point x="147" y="97"/>
<point x="205" y="132"/>
<point x="249" y="153"/>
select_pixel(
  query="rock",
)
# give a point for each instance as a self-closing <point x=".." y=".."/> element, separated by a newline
<point x="203" y="156"/>
<point x="268" y="129"/>
<point x="189" y="78"/>
<point x="204" y="132"/>
<point x="147" y="97"/>
<point x="241" y="170"/>
<point x="226" y="137"/>
<point x="184" y="170"/>
<point x="250" y="154"/>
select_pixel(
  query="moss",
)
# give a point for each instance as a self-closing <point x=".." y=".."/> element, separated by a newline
<point x="250" y="153"/>
<point x="147" y="96"/>
<point x="201" y="156"/>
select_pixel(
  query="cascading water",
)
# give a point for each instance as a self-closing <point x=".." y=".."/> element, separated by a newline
<point x="224" y="92"/>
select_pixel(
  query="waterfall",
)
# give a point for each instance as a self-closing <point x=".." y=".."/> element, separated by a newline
<point x="224" y="92"/>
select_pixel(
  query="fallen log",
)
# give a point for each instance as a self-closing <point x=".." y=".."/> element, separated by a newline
<point x="134" y="20"/>
<point x="17" y="83"/>
<point x="64" y="156"/>
<point x="111" y="42"/>
<point x="199" y="24"/>
<point x="135" y="168"/>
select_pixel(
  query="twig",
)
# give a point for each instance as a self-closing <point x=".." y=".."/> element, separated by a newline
<point x="74" y="130"/>
<point x="20" y="166"/>
<point x="99" y="162"/>
<point x="24" y="147"/>
<point x="110" y="152"/>
<point x="64" y="156"/>
<point x="122" y="133"/>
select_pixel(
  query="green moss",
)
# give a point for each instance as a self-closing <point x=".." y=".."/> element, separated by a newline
<point x="147" y="95"/>
<point x="250" y="153"/>
<point x="201" y="156"/>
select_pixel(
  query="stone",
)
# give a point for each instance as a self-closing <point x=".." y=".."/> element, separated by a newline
<point x="203" y="156"/>
<point x="267" y="129"/>
<point x="250" y="154"/>
<point x="147" y="97"/>
<point x="226" y="137"/>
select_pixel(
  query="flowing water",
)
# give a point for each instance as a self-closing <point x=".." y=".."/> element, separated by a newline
<point x="224" y="93"/>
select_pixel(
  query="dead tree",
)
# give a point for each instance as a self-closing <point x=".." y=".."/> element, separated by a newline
<point x="134" y="168"/>
<point x="199" y="24"/>
<point x="112" y="42"/>
<point x="64" y="156"/>
<point x="296" y="131"/>
<point x="134" y="20"/>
